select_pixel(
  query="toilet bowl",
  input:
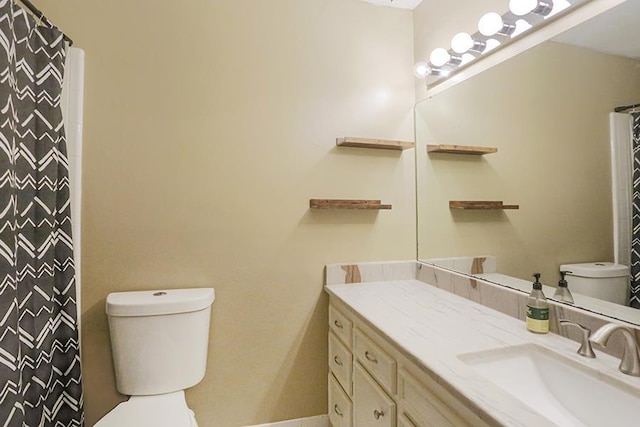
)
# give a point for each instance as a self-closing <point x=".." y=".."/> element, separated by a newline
<point x="603" y="280"/>
<point x="159" y="342"/>
<point x="163" y="410"/>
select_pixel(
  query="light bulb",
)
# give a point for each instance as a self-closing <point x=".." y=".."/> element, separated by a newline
<point x="421" y="70"/>
<point x="461" y="43"/>
<point x="490" y="24"/>
<point x="522" y="7"/>
<point x="439" y="57"/>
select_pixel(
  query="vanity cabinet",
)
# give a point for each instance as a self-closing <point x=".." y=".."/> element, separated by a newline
<point x="374" y="384"/>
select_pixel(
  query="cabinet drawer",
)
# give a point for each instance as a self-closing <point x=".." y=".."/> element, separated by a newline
<point x="340" y="363"/>
<point x="379" y="364"/>
<point x="340" y="407"/>
<point x="341" y="325"/>
<point x="426" y="409"/>
<point x="372" y="406"/>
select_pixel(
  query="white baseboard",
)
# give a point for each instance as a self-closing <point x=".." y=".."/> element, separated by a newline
<point x="319" y="421"/>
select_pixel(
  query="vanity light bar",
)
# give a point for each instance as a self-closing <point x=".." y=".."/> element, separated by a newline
<point x="494" y="30"/>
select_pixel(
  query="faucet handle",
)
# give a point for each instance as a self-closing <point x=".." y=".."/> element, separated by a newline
<point x="585" y="349"/>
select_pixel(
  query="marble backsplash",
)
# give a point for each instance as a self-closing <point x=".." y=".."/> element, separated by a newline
<point x="362" y="272"/>
<point x="466" y="264"/>
<point x="502" y="299"/>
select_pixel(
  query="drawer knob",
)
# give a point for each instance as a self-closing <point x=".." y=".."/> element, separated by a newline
<point x="337" y="361"/>
<point x="336" y="409"/>
<point x="370" y="358"/>
<point x="377" y="414"/>
<point x="338" y="324"/>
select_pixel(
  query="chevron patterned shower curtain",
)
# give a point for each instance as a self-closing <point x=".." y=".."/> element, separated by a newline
<point x="40" y="377"/>
<point x="635" y="241"/>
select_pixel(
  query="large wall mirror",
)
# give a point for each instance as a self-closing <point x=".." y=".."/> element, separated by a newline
<point x="547" y="111"/>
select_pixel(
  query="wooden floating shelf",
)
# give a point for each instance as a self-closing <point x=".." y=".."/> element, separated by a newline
<point x="384" y="144"/>
<point x="480" y="205"/>
<point x="347" y="204"/>
<point x="461" y="149"/>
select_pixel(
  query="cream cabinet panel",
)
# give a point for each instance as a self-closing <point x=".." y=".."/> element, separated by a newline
<point x="340" y="362"/>
<point x="372" y="406"/>
<point x="403" y="421"/>
<point x="340" y="407"/>
<point x="428" y="407"/>
<point x="341" y="325"/>
<point x="379" y="364"/>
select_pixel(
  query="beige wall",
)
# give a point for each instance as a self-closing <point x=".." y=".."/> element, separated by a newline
<point x="437" y="21"/>
<point x="547" y="111"/>
<point x="208" y="126"/>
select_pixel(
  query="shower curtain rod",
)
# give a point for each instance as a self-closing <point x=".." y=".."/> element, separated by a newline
<point x="38" y="13"/>
<point x="625" y="108"/>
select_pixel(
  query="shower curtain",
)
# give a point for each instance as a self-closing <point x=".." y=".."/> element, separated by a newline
<point x="40" y="371"/>
<point x="635" y="242"/>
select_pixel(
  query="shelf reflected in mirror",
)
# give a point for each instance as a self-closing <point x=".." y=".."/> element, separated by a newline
<point x="547" y="112"/>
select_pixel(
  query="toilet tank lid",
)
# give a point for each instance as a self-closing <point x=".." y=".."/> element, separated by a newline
<point x="596" y="269"/>
<point x="159" y="302"/>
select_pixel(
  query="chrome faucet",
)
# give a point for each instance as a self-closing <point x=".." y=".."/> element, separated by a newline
<point x="630" y="361"/>
<point x="585" y="349"/>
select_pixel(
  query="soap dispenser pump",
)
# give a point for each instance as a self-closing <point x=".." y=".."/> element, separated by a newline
<point x="562" y="292"/>
<point x="537" y="309"/>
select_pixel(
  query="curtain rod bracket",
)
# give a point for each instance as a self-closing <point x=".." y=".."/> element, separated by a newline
<point x="625" y="108"/>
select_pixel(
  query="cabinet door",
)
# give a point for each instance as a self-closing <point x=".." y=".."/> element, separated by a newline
<point x="430" y="409"/>
<point x="372" y="406"/>
<point x="403" y="421"/>
<point x="340" y="362"/>
<point x="340" y="408"/>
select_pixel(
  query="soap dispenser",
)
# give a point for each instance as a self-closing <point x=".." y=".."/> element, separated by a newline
<point x="562" y="292"/>
<point x="537" y="309"/>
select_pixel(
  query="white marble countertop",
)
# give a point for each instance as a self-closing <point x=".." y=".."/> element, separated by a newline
<point x="433" y="327"/>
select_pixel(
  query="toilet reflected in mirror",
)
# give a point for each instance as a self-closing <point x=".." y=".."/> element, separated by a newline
<point x="547" y="112"/>
<point x="603" y="280"/>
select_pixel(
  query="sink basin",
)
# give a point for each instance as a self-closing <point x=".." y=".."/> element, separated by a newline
<point x="564" y="391"/>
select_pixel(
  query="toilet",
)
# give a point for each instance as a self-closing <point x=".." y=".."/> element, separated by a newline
<point x="159" y="341"/>
<point x="603" y="280"/>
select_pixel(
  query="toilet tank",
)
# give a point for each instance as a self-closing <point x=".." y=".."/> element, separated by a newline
<point x="603" y="280"/>
<point x="159" y="339"/>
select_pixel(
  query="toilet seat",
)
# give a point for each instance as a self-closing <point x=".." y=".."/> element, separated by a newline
<point x="163" y="410"/>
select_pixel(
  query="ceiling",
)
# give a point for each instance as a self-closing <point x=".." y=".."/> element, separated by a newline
<point x="402" y="4"/>
<point x="616" y="31"/>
